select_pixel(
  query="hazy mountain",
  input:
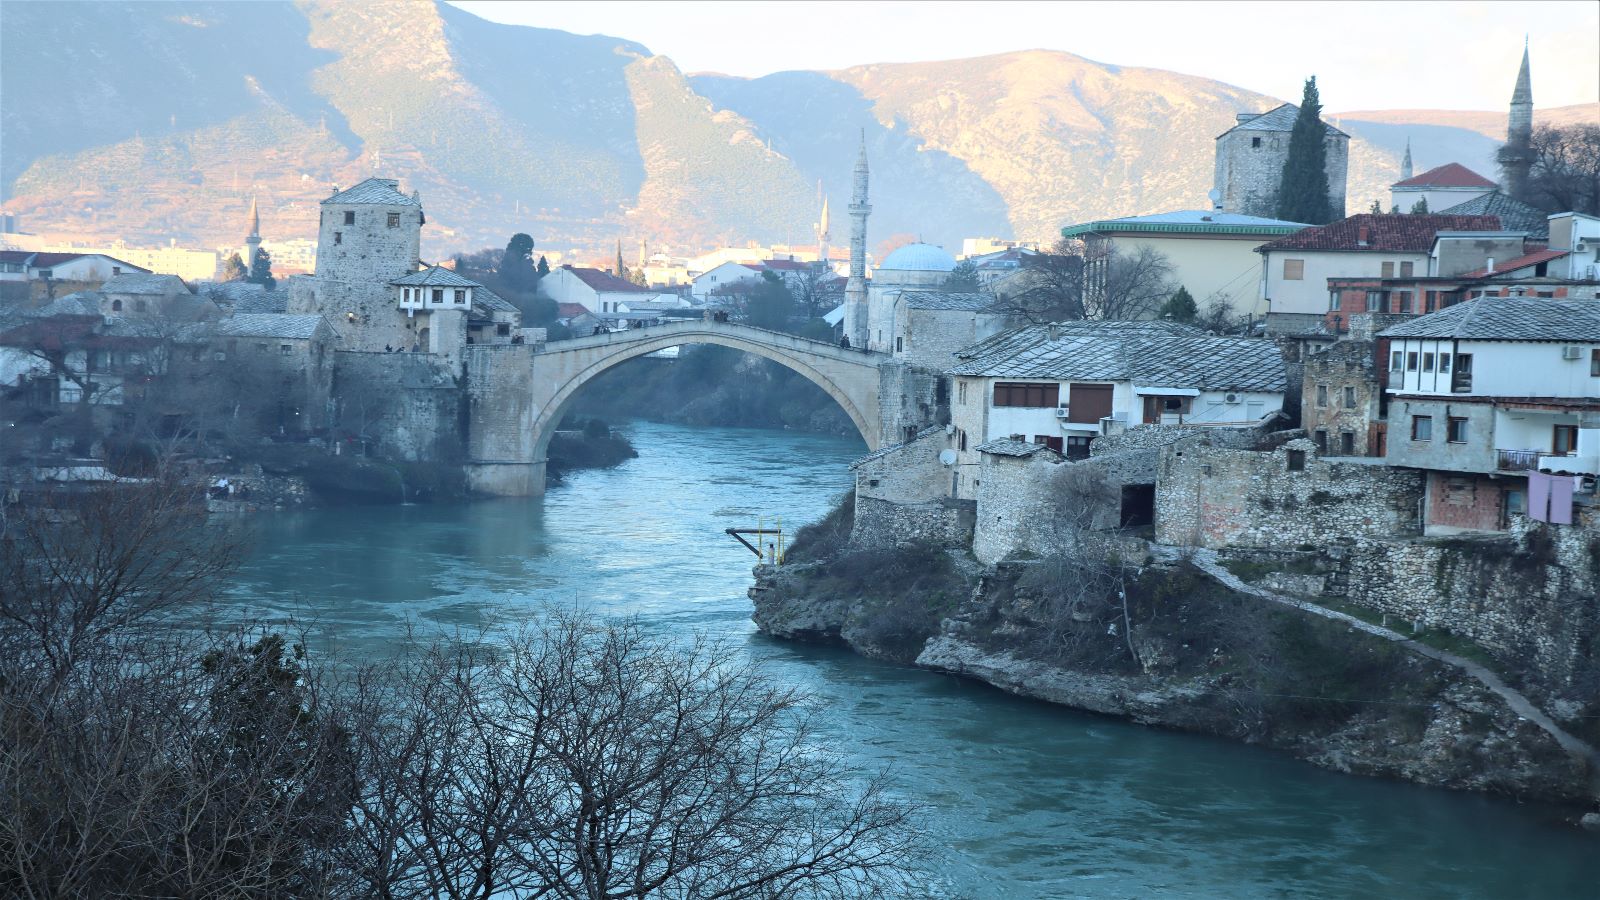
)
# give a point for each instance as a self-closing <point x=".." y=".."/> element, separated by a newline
<point x="151" y="121"/>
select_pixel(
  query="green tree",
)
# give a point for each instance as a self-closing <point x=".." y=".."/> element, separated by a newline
<point x="516" y="264"/>
<point x="544" y="267"/>
<point x="770" y="303"/>
<point x="233" y="269"/>
<point x="1420" y="207"/>
<point x="1180" y="307"/>
<point x="964" y="277"/>
<point x="1303" y="192"/>
<point x="261" y="270"/>
<point x="1377" y="208"/>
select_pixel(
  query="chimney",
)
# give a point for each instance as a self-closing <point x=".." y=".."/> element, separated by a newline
<point x="1489" y="266"/>
<point x="1054" y="331"/>
<point x="1362" y="233"/>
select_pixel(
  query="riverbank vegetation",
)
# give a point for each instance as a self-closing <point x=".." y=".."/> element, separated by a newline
<point x="144" y="754"/>
<point x="586" y="444"/>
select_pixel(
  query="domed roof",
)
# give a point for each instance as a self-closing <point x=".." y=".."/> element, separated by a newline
<point x="919" y="258"/>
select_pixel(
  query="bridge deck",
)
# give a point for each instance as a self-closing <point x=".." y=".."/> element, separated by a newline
<point x="691" y="327"/>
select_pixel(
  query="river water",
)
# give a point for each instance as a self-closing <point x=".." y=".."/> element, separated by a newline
<point x="1024" y="799"/>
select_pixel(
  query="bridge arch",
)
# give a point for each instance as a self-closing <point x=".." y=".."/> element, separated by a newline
<point x="562" y="368"/>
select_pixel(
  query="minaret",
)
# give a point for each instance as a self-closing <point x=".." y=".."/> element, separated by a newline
<point x="252" y="243"/>
<point x="823" y="236"/>
<point x="622" y="271"/>
<point x="1405" y="163"/>
<point x="855" y="289"/>
<point x="1516" y="157"/>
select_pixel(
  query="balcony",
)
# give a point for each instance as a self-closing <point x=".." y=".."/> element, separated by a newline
<point x="1569" y="464"/>
<point x="1517" y="460"/>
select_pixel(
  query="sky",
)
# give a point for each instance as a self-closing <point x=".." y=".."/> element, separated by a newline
<point x="1366" y="55"/>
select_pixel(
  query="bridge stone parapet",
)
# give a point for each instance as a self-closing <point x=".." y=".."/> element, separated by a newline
<point x="518" y="399"/>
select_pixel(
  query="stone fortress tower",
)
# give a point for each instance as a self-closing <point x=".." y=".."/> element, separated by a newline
<point x="855" y="289"/>
<point x="370" y="235"/>
<point x="1250" y="158"/>
<point x="1516" y="157"/>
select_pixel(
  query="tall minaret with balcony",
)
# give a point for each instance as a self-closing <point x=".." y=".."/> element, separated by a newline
<point x="252" y="242"/>
<point x="823" y="238"/>
<point x="1516" y="157"/>
<point x="855" y="289"/>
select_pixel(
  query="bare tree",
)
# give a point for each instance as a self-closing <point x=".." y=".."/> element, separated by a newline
<point x="582" y="759"/>
<point x="1089" y="280"/>
<point x="1050" y="286"/>
<point x="1565" y="176"/>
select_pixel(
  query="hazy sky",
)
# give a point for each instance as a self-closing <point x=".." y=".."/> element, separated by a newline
<point x="1388" y="55"/>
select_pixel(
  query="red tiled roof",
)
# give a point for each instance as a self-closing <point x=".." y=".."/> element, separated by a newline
<point x="604" y="281"/>
<point x="786" y="264"/>
<point x="1521" y="262"/>
<point x="1449" y="175"/>
<point x="570" y="310"/>
<point x="47" y="260"/>
<point x="1386" y="233"/>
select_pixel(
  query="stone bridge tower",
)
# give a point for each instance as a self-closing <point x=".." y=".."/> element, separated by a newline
<point x="369" y="235"/>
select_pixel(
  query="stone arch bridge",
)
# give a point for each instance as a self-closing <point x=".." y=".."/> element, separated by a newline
<point x="518" y="394"/>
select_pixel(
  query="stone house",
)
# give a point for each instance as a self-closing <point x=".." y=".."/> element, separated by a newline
<point x="1250" y="158"/>
<point x="1343" y="404"/>
<point x="451" y="311"/>
<point x="1494" y="398"/>
<point x="930" y="326"/>
<point x="1296" y="268"/>
<point x="298" y="352"/>
<point x="143" y="294"/>
<point x="1066" y="384"/>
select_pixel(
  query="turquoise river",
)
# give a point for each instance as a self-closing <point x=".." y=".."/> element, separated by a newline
<point x="1024" y="799"/>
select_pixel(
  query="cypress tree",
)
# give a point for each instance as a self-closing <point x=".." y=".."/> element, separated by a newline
<point x="1303" y="193"/>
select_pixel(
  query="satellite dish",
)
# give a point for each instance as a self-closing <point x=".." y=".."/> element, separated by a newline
<point x="1214" y="194"/>
<point x="948" y="457"/>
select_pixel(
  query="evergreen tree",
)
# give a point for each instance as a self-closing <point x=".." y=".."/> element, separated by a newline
<point x="1303" y="193"/>
<point x="544" y="267"/>
<point x="770" y="303"/>
<point x="516" y="263"/>
<point x="261" y="270"/>
<point x="1377" y="208"/>
<point x="1420" y="207"/>
<point x="964" y="277"/>
<point x="1180" y="307"/>
<point x="233" y="269"/>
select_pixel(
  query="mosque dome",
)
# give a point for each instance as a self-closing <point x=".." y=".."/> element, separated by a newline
<point x="919" y="258"/>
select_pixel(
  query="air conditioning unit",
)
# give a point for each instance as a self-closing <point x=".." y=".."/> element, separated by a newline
<point x="1230" y="398"/>
<point x="1061" y="412"/>
<point x="1571" y="352"/>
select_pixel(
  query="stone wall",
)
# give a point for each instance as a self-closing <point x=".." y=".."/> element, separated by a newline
<point x="910" y="399"/>
<point x="1014" y="505"/>
<point x="904" y="495"/>
<point x="1528" y="597"/>
<point x="408" y="405"/>
<point x="1346" y="365"/>
<point x="1217" y="497"/>
<point x="500" y="449"/>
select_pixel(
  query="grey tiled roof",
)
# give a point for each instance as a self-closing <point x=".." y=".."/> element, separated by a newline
<point x="435" y="276"/>
<point x="139" y="283"/>
<point x="490" y="300"/>
<point x="262" y="302"/>
<point x="273" y="325"/>
<point x="1514" y="214"/>
<point x="1010" y="447"/>
<point x="1148" y="357"/>
<point x="1028" y="335"/>
<point x="885" y="451"/>
<point x="1507" y="319"/>
<point x="951" y="300"/>
<point x="80" y="303"/>
<point x="385" y="191"/>
<point x="1278" y="119"/>
<point x="655" y="306"/>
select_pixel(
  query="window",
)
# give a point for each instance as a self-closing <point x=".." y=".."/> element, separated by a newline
<point x="1294" y="269"/>
<point x="1077" y="447"/>
<point x="1347" y="443"/>
<point x="1403" y="301"/>
<point x="1394" y="361"/>
<point x="1456" y="430"/>
<point x="1565" y="440"/>
<point x="899" y="344"/>
<point x="1321" y="438"/>
<point x="1427" y="362"/>
<point x="438" y="295"/>
<point x="338" y="237"/>
<point x="45" y="274"/>
<point x="116" y="270"/>
<point x="1375" y="301"/>
<point x="1430" y="301"/>
<point x="1297" y="460"/>
<point x="349" y="217"/>
<point x="461" y="295"/>
<point x="140" y="306"/>
<point x="116" y="306"/>
<point x="1388" y="270"/>
<point x="503" y="329"/>
<point x="1444" y="364"/>
<point x="1026" y="395"/>
<point x="1333" y="301"/>
<point x="1349" y="398"/>
<point x="1322" y="395"/>
<point x="1411" y="362"/>
<point x="961" y="439"/>
<point x="1255" y="143"/>
<point x="285" y="349"/>
<point x="961" y="393"/>
<point x="1594" y="362"/>
<point x="394" y="220"/>
<point x="1406" y="270"/>
<point x="1422" y="428"/>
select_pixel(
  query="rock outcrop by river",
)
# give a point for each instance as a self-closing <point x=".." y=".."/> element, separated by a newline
<point x="1201" y="658"/>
